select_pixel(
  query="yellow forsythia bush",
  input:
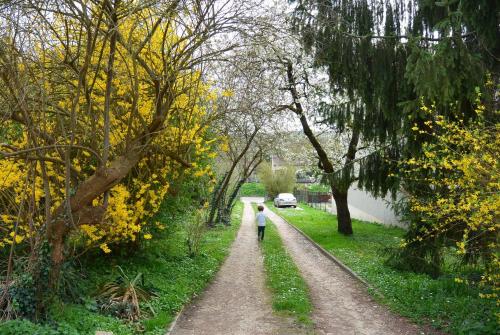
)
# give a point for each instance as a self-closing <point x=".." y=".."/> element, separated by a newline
<point x="33" y="185"/>
<point x="461" y="165"/>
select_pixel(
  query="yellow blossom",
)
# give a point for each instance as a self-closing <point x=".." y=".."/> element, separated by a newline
<point x="104" y="247"/>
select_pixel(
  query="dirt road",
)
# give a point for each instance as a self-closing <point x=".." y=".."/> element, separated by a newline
<point x="237" y="302"/>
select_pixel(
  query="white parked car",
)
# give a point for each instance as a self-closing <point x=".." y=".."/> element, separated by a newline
<point x="285" y="199"/>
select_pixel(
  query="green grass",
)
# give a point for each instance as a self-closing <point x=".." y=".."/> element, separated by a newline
<point x="174" y="276"/>
<point x="440" y="302"/>
<point x="290" y="294"/>
<point x="252" y="190"/>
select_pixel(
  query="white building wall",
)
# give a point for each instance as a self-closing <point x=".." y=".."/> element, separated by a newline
<point x="363" y="206"/>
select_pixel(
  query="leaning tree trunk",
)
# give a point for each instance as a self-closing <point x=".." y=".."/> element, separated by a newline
<point x="81" y="202"/>
<point x="234" y="194"/>
<point x="343" y="215"/>
<point x="81" y="207"/>
<point x="220" y="208"/>
<point x="230" y="203"/>
<point x="215" y="201"/>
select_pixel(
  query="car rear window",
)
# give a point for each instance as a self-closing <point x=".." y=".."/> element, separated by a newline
<point x="286" y="196"/>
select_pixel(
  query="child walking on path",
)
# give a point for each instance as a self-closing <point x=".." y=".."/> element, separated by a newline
<point x="261" y="222"/>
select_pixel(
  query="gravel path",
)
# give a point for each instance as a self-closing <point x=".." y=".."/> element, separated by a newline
<point x="341" y="304"/>
<point x="237" y="301"/>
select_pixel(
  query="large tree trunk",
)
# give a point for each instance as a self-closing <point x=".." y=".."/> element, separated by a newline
<point x="340" y="193"/>
<point x="220" y="208"/>
<point x="343" y="215"/>
<point x="80" y="206"/>
<point x="59" y="230"/>
<point x="56" y="240"/>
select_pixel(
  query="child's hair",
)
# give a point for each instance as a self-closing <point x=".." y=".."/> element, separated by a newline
<point x="260" y="208"/>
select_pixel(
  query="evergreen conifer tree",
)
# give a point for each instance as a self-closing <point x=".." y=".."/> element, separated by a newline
<point x="387" y="58"/>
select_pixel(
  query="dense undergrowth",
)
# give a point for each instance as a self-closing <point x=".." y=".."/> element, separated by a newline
<point x="442" y="302"/>
<point x="167" y="270"/>
<point x="290" y="294"/>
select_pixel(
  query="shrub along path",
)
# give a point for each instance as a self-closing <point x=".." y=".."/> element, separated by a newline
<point x="236" y="302"/>
<point x="341" y="305"/>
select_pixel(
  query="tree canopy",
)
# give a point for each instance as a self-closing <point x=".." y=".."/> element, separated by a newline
<point x="384" y="57"/>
